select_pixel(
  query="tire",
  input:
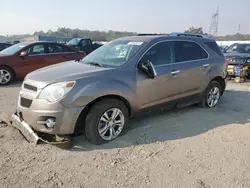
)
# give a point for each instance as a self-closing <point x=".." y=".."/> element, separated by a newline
<point x="6" y="76"/>
<point x="204" y="103"/>
<point x="96" y="121"/>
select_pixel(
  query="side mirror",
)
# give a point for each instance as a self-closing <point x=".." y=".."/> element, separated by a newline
<point x="148" y="68"/>
<point x="23" y="54"/>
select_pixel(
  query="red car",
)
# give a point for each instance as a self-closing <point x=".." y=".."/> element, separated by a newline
<point x="20" y="59"/>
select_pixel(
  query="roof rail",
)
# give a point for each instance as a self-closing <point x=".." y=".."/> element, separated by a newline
<point x="176" y="34"/>
<point x="148" y="34"/>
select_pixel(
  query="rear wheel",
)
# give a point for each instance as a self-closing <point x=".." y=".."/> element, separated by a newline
<point x="106" y="120"/>
<point x="6" y="75"/>
<point x="211" y="95"/>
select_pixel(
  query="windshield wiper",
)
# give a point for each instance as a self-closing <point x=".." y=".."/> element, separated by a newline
<point x="95" y="64"/>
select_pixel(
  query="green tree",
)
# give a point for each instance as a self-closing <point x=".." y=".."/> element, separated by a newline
<point x="198" y="30"/>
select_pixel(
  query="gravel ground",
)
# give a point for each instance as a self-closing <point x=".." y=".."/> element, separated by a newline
<point x="191" y="147"/>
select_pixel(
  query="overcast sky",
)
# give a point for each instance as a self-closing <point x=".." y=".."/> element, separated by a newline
<point x="163" y="16"/>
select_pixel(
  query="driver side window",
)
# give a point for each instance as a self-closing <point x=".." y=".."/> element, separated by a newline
<point x="37" y="49"/>
<point x="161" y="54"/>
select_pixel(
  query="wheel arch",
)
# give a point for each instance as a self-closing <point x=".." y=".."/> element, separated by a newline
<point x="6" y="66"/>
<point x="222" y="83"/>
<point x="80" y="123"/>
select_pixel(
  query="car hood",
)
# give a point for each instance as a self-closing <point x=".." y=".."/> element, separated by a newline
<point x="240" y="55"/>
<point x="67" y="71"/>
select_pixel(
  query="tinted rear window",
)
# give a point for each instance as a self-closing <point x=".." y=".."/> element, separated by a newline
<point x="213" y="46"/>
<point x="53" y="49"/>
<point x="189" y="51"/>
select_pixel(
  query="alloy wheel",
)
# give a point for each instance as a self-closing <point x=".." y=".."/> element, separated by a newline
<point x="213" y="96"/>
<point x="5" y="76"/>
<point x="111" y="124"/>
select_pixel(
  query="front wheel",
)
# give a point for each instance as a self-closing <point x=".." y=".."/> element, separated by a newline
<point x="6" y="76"/>
<point x="106" y="120"/>
<point x="211" y="96"/>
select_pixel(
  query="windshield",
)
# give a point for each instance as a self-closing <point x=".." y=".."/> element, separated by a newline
<point x="239" y="48"/>
<point x="13" y="49"/>
<point x="74" y="42"/>
<point x="113" y="54"/>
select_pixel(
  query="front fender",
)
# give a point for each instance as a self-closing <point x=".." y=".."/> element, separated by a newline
<point x="94" y="90"/>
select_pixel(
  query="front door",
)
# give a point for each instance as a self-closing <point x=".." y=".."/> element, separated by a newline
<point x="34" y="60"/>
<point x="165" y="86"/>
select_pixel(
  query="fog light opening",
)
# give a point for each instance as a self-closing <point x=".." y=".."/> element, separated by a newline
<point x="50" y="123"/>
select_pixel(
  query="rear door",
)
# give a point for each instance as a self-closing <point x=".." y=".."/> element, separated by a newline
<point x="59" y="53"/>
<point x="34" y="60"/>
<point x="193" y="66"/>
<point x="74" y="54"/>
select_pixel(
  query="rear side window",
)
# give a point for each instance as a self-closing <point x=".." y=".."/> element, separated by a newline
<point x="213" y="46"/>
<point x="53" y="49"/>
<point x="189" y="51"/>
<point x="71" y="50"/>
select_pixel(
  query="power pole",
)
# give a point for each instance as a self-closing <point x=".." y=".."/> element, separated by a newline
<point x="238" y="30"/>
<point x="215" y="23"/>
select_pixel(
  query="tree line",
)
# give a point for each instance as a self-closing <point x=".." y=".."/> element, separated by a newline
<point x="110" y="35"/>
<point x="94" y="35"/>
<point x="237" y="36"/>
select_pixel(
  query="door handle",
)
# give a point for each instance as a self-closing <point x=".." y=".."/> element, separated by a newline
<point x="206" y="65"/>
<point x="175" y="72"/>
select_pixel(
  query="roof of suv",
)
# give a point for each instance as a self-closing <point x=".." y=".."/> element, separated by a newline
<point x="182" y="36"/>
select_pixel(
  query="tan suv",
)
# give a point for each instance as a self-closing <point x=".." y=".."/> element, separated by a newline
<point x="122" y="79"/>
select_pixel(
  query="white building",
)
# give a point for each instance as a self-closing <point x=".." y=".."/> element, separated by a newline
<point x="228" y="43"/>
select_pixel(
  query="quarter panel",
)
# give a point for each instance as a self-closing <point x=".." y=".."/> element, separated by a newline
<point x="218" y="68"/>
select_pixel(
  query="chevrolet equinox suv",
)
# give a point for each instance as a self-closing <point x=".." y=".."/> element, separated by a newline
<point x="126" y="77"/>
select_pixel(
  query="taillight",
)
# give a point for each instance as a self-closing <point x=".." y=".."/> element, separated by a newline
<point x="227" y="62"/>
<point x="84" y="54"/>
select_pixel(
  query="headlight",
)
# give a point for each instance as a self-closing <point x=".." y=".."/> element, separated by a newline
<point x="248" y="60"/>
<point x="56" y="91"/>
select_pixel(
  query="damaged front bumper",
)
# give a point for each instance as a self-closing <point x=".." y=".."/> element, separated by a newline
<point x="24" y="128"/>
<point x="34" y="137"/>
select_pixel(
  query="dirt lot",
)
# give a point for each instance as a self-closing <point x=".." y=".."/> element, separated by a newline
<point x="192" y="147"/>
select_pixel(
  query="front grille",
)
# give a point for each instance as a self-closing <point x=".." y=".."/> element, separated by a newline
<point x="239" y="60"/>
<point x="25" y="102"/>
<point x="30" y="87"/>
<point x="248" y="61"/>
